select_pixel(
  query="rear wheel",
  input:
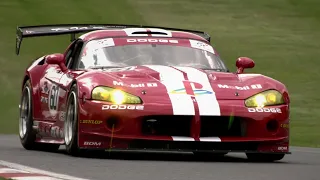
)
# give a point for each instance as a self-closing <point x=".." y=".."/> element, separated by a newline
<point x="26" y="133"/>
<point x="261" y="157"/>
<point x="71" y="123"/>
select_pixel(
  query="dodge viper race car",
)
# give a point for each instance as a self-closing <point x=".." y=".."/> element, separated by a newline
<point x="131" y="87"/>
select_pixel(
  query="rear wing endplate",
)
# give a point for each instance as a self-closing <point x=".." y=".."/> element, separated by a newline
<point x="73" y="29"/>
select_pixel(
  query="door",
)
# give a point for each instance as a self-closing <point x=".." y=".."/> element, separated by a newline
<point x="50" y="92"/>
<point x="53" y="88"/>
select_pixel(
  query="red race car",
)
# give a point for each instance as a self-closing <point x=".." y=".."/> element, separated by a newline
<point x="148" y="88"/>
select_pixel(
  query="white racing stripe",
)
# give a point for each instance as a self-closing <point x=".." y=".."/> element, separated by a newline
<point x="130" y="31"/>
<point x="181" y="138"/>
<point x="208" y="104"/>
<point x="173" y="79"/>
<point x="166" y="33"/>
<point x="210" y="139"/>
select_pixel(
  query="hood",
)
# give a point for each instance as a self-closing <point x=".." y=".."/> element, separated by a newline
<point x="158" y="80"/>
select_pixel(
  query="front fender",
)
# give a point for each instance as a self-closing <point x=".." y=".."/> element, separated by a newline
<point x="34" y="73"/>
<point x="87" y="82"/>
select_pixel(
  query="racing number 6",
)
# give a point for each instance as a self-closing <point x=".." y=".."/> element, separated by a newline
<point x="54" y="97"/>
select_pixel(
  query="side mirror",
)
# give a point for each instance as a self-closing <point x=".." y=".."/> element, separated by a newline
<point x="57" y="59"/>
<point x="244" y="63"/>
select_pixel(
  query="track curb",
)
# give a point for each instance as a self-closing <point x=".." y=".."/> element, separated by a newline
<point x="20" y="172"/>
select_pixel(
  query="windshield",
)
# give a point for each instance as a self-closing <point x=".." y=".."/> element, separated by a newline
<point x="106" y="54"/>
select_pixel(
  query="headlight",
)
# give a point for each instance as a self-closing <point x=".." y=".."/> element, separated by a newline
<point x="266" y="98"/>
<point x="114" y="95"/>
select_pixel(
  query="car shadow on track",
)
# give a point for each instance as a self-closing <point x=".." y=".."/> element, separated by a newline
<point x="165" y="156"/>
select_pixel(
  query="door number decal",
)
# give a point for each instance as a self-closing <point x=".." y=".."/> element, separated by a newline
<point x="53" y="99"/>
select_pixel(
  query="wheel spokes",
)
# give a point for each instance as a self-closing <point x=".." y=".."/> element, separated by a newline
<point x="24" y="112"/>
<point x="69" y="120"/>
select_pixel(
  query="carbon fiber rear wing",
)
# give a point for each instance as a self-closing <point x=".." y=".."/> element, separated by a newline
<point x="73" y="29"/>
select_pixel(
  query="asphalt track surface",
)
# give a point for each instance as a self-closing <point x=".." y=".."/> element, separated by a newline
<point x="302" y="164"/>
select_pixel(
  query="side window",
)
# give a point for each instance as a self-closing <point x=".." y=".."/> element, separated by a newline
<point x="76" y="54"/>
<point x="73" y="53"/>
<point x="69" y="54"/>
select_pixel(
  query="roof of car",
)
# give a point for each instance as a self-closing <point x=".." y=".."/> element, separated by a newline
<point x="140" y="32"/>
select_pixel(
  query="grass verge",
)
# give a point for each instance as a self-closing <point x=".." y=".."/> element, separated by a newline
<point x="1" y="178"/>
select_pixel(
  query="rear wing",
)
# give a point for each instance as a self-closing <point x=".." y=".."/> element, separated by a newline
<point x="73" y="29"/>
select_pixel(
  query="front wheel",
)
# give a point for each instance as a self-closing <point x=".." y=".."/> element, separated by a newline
<point x="26" y="133"/>
<point x="261" y="157"/>
<point x="71" y="123"/>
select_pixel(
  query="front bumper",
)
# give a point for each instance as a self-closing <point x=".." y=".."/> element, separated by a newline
<point x="237" y="129"/>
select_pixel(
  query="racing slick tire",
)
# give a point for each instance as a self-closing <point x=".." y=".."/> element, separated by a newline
<point x="262" y="157"/>
<point x="71" y="123"/>
<point x="27" y="134"/>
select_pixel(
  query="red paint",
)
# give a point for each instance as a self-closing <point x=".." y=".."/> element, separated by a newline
<point x="244" y="63"/>
<point x="156" y="100"/>
<point x="148" y="30"/>
<point x="57" y="59"/>
<point x="189" y="88"/>
<point x="195" y="123"/>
